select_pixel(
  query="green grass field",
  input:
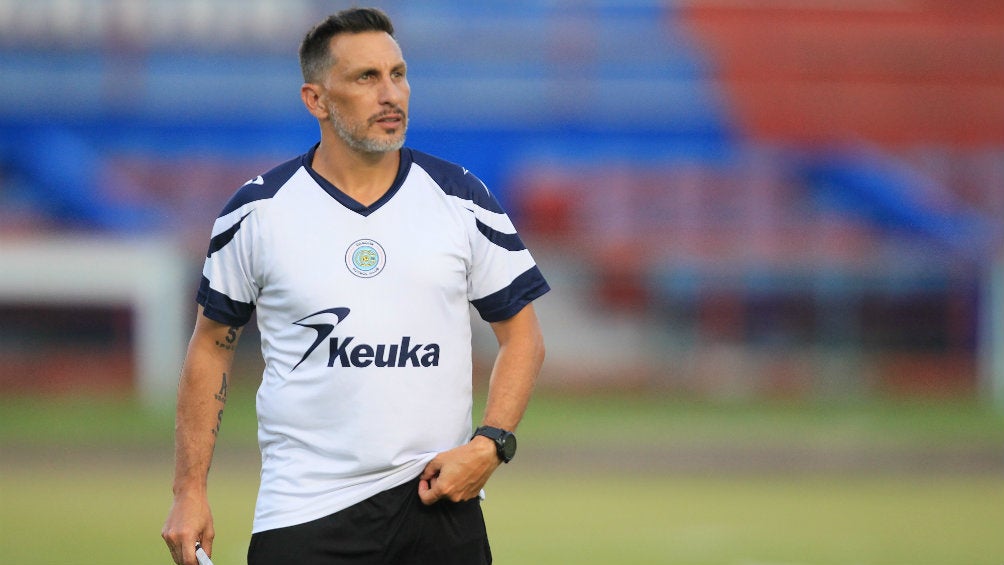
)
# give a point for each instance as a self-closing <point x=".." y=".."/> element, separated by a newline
<point x="599" y="480"/>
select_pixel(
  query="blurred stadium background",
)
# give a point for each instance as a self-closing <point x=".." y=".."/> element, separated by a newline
<point x="741" y="201"/>
<point x="733" y="198"/>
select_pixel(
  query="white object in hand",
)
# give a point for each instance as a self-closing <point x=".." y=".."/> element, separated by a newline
<point x="200" y="554"/>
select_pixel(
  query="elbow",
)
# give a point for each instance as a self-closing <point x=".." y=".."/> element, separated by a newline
<point x="539" y="349"/>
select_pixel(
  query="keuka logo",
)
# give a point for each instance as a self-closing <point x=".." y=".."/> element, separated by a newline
<point x="383" y="355"/>
<point x="345" y="353"/>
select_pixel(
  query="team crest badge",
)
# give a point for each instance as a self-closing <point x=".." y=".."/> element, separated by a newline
<point x="365" y="258"/>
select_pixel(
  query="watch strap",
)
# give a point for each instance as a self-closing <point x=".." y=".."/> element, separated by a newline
<point x="494" y="434"/>
<point x="501" y="438"/>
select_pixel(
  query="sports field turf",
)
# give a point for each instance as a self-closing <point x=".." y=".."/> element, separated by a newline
<point x="597" y="481"/>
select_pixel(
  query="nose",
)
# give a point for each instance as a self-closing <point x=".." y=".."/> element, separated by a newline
<point x="394" y="91"/>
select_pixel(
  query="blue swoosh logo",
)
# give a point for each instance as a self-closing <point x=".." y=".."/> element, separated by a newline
<point x="323" y="329"/>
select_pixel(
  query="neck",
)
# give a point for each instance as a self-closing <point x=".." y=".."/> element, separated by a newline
<point x="364" y="177"/>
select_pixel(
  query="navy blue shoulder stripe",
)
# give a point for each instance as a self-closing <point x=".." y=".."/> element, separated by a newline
<point x="264" y="186"/>
<point x="457" y="181"/>
<point x="221" y="239"/>
<point x="508" y="241"/>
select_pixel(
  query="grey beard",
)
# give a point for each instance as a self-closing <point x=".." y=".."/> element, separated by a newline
<point x="362" y="143"/>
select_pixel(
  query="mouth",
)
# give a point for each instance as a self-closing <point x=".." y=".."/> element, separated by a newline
<point x="389" y="119"/>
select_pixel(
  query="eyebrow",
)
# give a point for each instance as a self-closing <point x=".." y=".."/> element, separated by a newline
<point x="374" y="69"/>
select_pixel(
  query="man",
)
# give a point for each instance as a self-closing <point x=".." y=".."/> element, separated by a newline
<point x="361" y="258"/>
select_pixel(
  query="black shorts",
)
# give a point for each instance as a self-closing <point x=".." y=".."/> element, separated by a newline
<point x="393" y="527"/>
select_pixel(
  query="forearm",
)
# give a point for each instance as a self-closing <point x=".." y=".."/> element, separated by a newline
<point x="514" y="374"/>
<point x="460" y="473"/>
<point x="197" y="422"/>
<point x="202" y="396"/>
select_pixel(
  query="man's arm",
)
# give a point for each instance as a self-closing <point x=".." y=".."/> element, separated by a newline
<point x="202" y="395"/>
<point x="460" y="474"/>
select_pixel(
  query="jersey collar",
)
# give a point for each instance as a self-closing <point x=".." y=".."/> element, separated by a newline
<point x="344" y="199"/>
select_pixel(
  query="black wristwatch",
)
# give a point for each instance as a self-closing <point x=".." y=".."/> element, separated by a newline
<point x="505" y="441"/>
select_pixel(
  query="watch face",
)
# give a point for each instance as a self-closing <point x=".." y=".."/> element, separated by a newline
<point x="508" y="446"/>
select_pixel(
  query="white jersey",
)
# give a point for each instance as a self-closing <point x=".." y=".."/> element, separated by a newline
<point x="365" y="324"/>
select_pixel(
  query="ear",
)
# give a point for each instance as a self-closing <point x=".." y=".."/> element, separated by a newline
<point x="313" y="98"/>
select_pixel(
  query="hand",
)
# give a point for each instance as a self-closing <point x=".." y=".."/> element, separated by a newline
<point x="460" y="473"/>
<point x="189" y="521"/>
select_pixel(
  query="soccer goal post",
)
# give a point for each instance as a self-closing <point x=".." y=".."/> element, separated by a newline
<point x="146" y="275"/>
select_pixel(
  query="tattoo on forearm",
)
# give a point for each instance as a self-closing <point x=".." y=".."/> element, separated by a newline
<point x="219" y="422"/>
<point x="224" y="390"/>
<point x="229" y="342"/>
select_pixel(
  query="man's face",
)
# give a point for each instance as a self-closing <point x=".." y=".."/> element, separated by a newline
<point x="366" y="91"/>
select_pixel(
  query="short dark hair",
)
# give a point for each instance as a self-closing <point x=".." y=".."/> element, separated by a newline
<point x="315" y="52"/>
